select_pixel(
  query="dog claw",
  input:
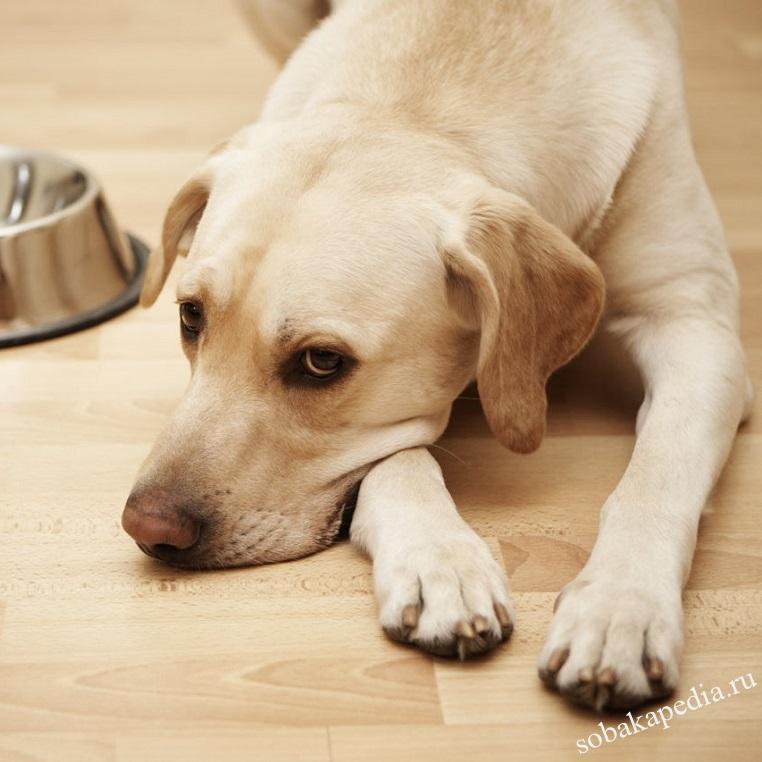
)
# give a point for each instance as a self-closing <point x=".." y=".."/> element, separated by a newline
<point x="464" y="630"/>
<point x="557" y="660"/>
<point x="410" y="616"/>
<point x="602" y="696"/>
<point x="585" y="675"/>
<point x="607" y="677"/>
<point x="506" y="624"/>
<point x="654" y="669"/>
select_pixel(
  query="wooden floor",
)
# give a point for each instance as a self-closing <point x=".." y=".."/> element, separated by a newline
<point x="105" y="655"/>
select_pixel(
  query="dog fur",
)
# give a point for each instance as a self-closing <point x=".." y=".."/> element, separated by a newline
<point x="442" y="191"/>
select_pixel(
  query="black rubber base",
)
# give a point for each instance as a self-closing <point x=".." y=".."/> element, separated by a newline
<point x="128" y="298"/>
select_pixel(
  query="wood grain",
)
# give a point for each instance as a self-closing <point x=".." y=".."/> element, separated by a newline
<point x="105" y="655"/>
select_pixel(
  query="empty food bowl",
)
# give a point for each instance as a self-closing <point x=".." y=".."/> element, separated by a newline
<point x="64" y="264"/>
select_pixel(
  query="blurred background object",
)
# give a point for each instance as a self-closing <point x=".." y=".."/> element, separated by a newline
<point x="64" y="263"/>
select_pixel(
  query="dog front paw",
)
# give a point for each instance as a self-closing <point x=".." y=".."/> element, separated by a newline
<point x="611" y="644"/>
<point x="448" y="597"/>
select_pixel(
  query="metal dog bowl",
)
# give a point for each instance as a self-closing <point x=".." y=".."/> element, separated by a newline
<point x="64" y="264"/>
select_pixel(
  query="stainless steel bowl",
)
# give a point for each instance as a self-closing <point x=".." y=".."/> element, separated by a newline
<point x="64" y="264"/>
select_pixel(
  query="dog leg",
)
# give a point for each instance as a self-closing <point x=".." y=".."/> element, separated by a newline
<point x="616" y="634"/>
<point x="436" y="582"/>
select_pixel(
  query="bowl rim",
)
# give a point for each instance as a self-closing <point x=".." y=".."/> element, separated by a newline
<point x="123" y="301"/>
<point x="92" y="190"/>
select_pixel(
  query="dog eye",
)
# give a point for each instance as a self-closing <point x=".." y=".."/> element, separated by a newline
<point x="321" y="363"/>
<point x="191" y="317"/>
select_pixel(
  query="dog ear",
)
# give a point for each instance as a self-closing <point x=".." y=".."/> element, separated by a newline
<point x="537" y="298"/>
<point x="180" y="224"/>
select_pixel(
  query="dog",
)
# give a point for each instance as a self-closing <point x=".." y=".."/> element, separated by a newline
<point x="439" y="191"/>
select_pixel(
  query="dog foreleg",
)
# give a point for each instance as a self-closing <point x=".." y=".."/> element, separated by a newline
<point x="436" y="582"/>
<point x="616" y="635"/>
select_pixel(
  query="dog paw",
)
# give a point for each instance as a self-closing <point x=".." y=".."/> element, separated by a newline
<point x="448" y="598"/>
<point x="612" y="645"/>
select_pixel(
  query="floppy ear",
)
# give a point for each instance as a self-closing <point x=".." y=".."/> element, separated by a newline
<point x="180" y="224"/>
<point x="538" y="298"/>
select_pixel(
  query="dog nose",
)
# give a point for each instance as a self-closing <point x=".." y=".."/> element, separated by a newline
<point x="153" y="522"/>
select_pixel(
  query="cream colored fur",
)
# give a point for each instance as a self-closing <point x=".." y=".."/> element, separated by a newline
<point x="443" y="187"/>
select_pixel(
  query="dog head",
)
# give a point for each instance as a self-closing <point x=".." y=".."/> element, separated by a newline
<point x="334" y="304"/>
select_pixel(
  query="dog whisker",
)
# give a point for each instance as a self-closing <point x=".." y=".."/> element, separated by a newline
<point x="449" y="452"/>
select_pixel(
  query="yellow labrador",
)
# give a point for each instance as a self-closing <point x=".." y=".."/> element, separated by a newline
<point x="437" y="191"/>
